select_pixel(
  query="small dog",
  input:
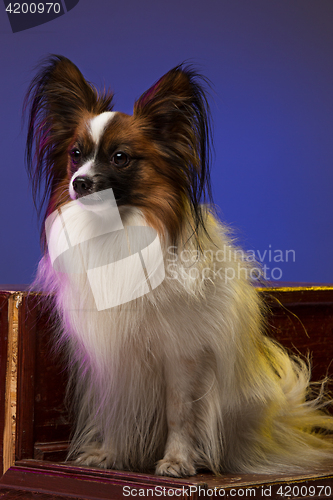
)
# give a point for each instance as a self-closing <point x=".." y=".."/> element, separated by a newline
<point x="180" y="377"/>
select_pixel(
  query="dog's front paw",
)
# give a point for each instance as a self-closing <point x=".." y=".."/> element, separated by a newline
<point x="175" y="468"/>
<point x="95" y="455"/>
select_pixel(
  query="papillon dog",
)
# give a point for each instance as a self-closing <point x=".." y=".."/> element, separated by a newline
<point x="179" y="376"/>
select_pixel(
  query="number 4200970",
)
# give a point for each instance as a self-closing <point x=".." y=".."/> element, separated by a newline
<point x="34" y="8"/>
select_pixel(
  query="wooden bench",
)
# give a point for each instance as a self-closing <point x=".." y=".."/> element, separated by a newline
<point x="35" y="428"/>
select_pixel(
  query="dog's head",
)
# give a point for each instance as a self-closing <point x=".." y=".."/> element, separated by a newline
<point x="155" y="160"/>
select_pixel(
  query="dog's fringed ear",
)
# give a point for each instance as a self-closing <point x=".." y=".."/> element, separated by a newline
<point x="177" y="95"/>
<point x="177" y="117"/>
<point x="56" y="100"/>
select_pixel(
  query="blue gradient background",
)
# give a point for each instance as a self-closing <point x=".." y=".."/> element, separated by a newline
<point x="271" y="66"/>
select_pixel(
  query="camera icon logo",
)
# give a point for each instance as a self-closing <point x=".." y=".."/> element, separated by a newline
<point x="87" y="237"/>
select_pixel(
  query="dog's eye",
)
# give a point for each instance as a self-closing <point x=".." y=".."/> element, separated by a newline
<point x="120" y="159"/>
<point x="75" y="155"/>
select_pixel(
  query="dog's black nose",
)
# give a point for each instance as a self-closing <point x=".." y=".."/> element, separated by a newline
<point x="82" y="185"/>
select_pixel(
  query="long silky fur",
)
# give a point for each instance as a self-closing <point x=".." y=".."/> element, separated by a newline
<point x="196" y="341"/>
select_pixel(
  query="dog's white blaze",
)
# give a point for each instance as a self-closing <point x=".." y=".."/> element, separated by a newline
<point x="98" y="123"/>
<point x="85" y="170"/>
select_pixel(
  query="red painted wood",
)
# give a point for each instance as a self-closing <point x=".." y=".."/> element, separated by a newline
<point x="301" y="319"/>
<point x="9" y="494"/>
<point x="88" y="483"/>
<point x="3" y="365"/>
<point x="94" y="483"/>
<point x="26" y="361"/>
